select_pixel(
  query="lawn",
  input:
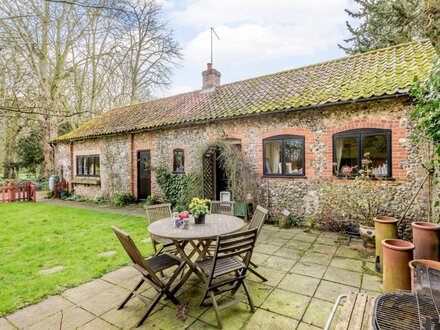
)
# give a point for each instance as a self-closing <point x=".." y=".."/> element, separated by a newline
<point x="39" y="236"/>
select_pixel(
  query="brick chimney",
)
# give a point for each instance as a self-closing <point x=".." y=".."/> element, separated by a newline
<point x="211" y="77"/>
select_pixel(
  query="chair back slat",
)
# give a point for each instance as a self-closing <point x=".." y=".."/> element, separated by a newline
<point x="222" y="207"/>
<point x="235" y="244"/>
<point x="157" y="212"/>
<point x="258" y="219"/>
<point x="132" y="251"/>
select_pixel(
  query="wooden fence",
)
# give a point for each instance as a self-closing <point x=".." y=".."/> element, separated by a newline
<point x="18" y="192"/>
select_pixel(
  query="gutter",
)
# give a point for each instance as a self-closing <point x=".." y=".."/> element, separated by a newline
<point x="255" y="114"/>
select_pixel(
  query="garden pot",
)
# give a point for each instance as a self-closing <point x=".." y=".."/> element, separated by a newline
<point x="426" y="238"/>
<point x="386" y="228"/>
<point x="397" y="254"/>
<point x="353" y="231"/>
<point x="421" y="262"/>
<point x="367" y="235"/>
<point x="200" y="220"/>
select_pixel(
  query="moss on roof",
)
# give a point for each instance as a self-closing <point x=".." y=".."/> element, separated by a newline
<point x="387" y="71"/>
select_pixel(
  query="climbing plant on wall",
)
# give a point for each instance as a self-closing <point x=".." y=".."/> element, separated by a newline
<point x="242" y="181"/>
<point x="426" y="114"/>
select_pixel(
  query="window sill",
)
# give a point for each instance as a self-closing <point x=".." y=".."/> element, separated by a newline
<point x="174" y="172"/>
<point x="87" y="180"/>
<point x="284" y="176"/>
<point x="373" y="179"/>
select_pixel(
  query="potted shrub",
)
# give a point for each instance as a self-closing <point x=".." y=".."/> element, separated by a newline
<point x="199" y="209"/>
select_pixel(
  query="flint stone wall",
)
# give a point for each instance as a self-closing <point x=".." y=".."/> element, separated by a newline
<point x="298" y="195"/>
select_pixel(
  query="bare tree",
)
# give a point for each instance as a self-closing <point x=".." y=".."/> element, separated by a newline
<point x="151" y="51"/>
<point x="67" y="61"/>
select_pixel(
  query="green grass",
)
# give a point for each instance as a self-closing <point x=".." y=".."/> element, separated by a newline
<point x="36" y="236"/>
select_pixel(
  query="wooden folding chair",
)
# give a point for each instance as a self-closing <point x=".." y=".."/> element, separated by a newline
<point x="149" y="268"/>
<point x="257" y="222"/>
<point x="154" y="213"/>
<point x="227" y="261"/>
<point x="222" y="207"/>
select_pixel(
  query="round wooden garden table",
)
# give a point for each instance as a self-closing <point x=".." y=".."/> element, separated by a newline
<point x="199" y="237"/>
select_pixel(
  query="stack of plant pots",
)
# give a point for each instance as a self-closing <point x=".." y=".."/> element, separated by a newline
<point x="396" y="256"/>
<point x="385" y="228"/>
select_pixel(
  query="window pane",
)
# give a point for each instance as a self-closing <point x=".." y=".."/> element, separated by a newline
<point x="272" y="163"/>
<point x="91" y="165"/>
<point x="376" y="146"/>
<point x="347" y="157"/>
<point x="85" y="169"/>
<point x="97" y="166"/>
<point x="179" y="161"/>
<point x="293" y="156"/>
<point x="78" y="166"/>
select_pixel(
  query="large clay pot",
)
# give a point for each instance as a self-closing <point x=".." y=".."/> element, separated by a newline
<point x="426" y="238"/>
<point x="397" y="254"/>
<point x="386" y="228"/>
<point x="367" y="235"/>
<point x="428" y="263"/>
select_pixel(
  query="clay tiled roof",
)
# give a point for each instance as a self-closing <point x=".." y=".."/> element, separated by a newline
<point x="387" y="71"/>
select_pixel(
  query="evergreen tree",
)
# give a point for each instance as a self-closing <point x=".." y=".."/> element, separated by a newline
<point x="384" y="23"/>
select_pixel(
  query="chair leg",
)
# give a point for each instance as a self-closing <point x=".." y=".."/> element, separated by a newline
<point x="131" y="293"/>
<point x="154" y="247"/>
<point x="251" y="303"/>
<point x="253" y="271"/>
<point x="253" y="264"/>
<point x="216" y="309"/>
<point x="150" y="309"/>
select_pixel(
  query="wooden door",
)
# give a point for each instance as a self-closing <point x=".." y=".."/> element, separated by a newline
<point x="144" y="174"/>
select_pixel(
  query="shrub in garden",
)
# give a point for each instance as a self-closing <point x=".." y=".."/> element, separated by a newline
<point x="123" y="199"/>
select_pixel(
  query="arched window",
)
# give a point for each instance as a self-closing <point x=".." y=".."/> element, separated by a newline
<point x="284" y="155"/>
<point x="178" y="161"/>
<point x="351" y="147"/>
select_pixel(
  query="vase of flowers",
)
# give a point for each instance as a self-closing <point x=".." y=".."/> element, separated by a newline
<point x="199" y="209"/>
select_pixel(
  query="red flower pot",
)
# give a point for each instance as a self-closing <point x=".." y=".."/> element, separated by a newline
<point x="426" y="238"/>
<point x="397" y="254"/>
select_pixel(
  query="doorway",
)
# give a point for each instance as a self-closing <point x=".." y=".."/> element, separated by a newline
<point x="144" y="174"/>
<point x="215" y="179"/>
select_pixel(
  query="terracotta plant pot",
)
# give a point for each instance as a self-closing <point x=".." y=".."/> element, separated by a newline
<point x="416" y="262"/>
<point x="386" y="228"/>
<point x="367" y="235"/>
<point x="200" y="220"/>
<point x="397" y="254"/>
<point x="426" y="238"/>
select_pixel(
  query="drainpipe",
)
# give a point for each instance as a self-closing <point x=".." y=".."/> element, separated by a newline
<point x="131" y="151"/>
<point x="53" y="156"/>
<point x="71" y="161"/>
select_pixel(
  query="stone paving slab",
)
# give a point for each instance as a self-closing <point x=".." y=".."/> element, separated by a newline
<point x="5" y="325"/>
<point x="97" y="324"/>
<point x="306" y="272"/>
<point x="286" y="303"/>
<point x="301" y="284"/>
<point x="35" y="313"/>
<point x="263" y="319"/>
<point x="69" y="318"/>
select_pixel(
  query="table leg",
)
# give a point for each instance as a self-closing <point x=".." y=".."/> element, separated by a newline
<point x="192" y="267"/>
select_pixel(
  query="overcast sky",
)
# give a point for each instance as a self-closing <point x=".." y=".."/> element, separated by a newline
<point x="257" y="37"/>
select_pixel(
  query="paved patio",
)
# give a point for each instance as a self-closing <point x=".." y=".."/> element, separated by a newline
<point x="306" y="272"/>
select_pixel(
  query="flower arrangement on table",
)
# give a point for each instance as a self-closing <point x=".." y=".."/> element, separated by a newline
<point x="199" y="208"/>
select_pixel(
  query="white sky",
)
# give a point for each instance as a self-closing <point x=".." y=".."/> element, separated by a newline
<point x="257" y="37"/>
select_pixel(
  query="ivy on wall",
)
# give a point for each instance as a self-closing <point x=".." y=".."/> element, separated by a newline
<point x="426" y="114"/>
<point x="177" y="188"/>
